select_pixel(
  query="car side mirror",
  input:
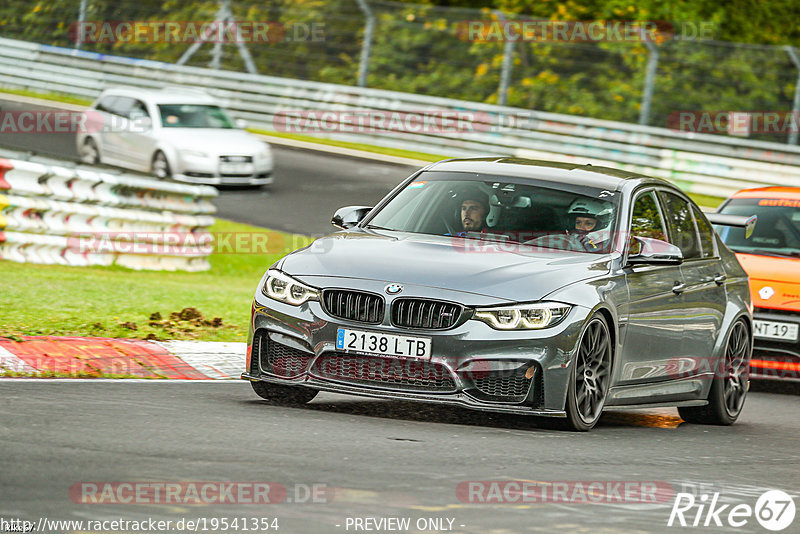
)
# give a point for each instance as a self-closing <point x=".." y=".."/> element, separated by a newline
<point x="349" y="216"/>
<point x="650" y="251"/>
<point x="240" y="123"/>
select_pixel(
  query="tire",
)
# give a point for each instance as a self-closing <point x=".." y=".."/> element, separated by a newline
<point x="90" y="154"/>
<point x="590" y="376"/>
<point x="160" y="166"/>
<point x="729" y="387"/>
<point x="284" y="395"/>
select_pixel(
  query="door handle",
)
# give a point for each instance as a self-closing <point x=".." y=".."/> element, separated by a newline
<point x="678" y="288"/>
<point x="719" y="279"/>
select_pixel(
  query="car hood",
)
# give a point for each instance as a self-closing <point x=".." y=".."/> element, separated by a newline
<point x="774" y="282"/>
<point x="507" y="272"/>
<point x="212" y="140"/>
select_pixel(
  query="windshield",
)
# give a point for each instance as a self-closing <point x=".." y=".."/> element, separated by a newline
<point x="193" y="116"/>
<point x="501" y="208"/>
<point x="777" y="230"/>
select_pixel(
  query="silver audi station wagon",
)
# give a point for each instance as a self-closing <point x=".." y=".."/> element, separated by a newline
<point x="176" y="133"/>
<point x="517" y="286"/>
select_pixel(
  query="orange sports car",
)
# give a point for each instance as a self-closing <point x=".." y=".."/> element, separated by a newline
<point x="771" y="257"/>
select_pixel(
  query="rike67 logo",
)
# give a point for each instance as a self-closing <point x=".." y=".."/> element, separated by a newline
<point x="774" y="510"/>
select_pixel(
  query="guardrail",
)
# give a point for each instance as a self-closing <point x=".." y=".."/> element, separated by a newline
<point x="76" y="216"/>
<point x="700" y="163"/>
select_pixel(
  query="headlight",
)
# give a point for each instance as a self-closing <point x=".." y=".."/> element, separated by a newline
<point x="284" y="288"/>
<point x="194" y="153"/>
<point x="523" y="316"/>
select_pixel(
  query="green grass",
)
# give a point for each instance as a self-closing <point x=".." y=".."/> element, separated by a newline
<point x="99" y="301"/>
<point x="706" y="200"/>
<point x="355" y="146"/>
<point x="56" y="97"/>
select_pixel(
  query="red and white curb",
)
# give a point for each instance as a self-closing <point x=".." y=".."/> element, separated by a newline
<point x="214" y="359"/>
<point x="95" y="356"/>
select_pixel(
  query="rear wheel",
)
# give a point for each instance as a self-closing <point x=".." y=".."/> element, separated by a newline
<point x="285" y="395"/>
<point x="729" y="388"/>
<point x="590" y="376"/>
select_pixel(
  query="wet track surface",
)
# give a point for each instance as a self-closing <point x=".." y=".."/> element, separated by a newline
<point x="376" y="458"/>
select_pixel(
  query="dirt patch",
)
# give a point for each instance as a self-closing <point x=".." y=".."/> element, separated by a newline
<point x="186" y="321"/>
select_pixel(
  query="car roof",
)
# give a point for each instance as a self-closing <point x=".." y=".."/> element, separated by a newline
<point x="167" y="95"/>
<point x="588" y="174"/>
<point x="792" y="193"/>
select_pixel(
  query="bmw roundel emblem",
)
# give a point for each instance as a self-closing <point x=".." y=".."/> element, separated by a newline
<point x="393" y="289"/>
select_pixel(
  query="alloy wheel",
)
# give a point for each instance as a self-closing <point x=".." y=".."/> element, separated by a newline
<point x="592" y="371"/>
<point x="89" y="152"/>
<point x="737" y="369"/>
<point x="161" y="166"/>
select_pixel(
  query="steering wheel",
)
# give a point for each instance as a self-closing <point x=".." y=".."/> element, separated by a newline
<point x="450" y="229"/>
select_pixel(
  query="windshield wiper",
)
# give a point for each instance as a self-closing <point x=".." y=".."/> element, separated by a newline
<point x="376" y="227"/>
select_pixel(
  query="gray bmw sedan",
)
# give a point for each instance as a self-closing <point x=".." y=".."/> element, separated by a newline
<point x="512" y="285"/>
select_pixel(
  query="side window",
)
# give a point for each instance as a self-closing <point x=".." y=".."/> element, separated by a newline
<point x="646" y="220"/>
<point x="122" y="106"/>
<point x="680" y="224"/>
<point x="107" y="104"/>
<point x="705" y="232"/>
<point x="138" y="110"/>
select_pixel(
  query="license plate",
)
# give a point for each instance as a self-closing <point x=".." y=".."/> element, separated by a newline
<point x="236" y="168"/>
<point x="773" y="330"/>
<point x="360" y="341"/>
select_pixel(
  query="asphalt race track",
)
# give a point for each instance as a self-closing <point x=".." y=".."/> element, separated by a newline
<point x="308" y="188"/>
<point x="371" y="458"/>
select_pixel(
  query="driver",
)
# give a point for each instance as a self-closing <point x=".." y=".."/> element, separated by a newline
<point x="474" y="208"/>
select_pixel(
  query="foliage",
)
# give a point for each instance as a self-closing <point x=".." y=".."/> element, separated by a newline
<point x="721" y="56"/>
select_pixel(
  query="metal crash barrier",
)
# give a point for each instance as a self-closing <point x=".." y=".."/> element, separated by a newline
<point x="699" y="163"/>
<point x="74" y="216"/>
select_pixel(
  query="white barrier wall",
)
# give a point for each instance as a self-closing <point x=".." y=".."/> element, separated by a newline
<point x="701" y="163"/>
<point x="58" y="215"/>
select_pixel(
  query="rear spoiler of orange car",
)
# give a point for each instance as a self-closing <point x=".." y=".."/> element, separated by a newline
<point x="739" y="221"/>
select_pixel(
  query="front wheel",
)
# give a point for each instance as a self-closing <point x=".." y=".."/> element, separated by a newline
<point x="90" y="154"/>
<point x="285" y="395"/>
<point x="161" y="166"/>
<point x="729" y="388"/>
<point x="590" y="376"/>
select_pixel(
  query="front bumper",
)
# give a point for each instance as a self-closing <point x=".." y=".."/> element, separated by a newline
<point x="193" y="177"/>
<point x="773" y="358"/>
<point x="471" y="365"/>
<point x="209" y="171"/>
